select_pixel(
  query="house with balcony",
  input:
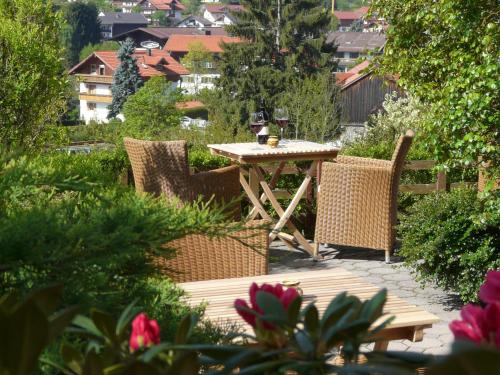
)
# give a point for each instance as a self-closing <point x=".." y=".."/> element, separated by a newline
<point x="95" y="77"/>
<point x="115" y="23"/>
<point x="126" y="6"/>
<point x="221" y="14"/>
<point x="179" y="45"/>
<point x="353" y="46"/>
<point x="172" y="9"/>
<point x="195" y="21"/>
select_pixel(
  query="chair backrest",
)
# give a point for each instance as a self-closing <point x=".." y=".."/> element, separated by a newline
<point x="160" y="167"/>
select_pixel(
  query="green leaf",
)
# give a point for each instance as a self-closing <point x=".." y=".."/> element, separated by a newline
<point x="59" y="321"/>
<point x="185" y="363"/>
<point x="273" y="309"/>
<point x="311" y="319"/>
<point x="87" y="325"/>
<point x="105" y="323"/>
<point x="72" y="358"/>
<point x="125" y="318"/>
<point x="185" y="327"/>
<point x="47" y="299"/>
<point x="372" y="308"/>
<point x="304" y="343"/>
<point x="293" y="311"/>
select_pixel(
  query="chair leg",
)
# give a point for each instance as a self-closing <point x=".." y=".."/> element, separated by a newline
<point x="388" y="256"/>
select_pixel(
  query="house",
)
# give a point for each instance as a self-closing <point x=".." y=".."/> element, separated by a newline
<point x="113" y="23"/>
<point x="362" y="94"/>
<point x="354" y="45"/>
<point x="95" y="76"/>
<point x="348" y="17"/>
<point x="161" y="34"/>
<point x="126" y="6"/>
<point x="179" y="45"/>
<point x="172" y="8"/>
<point x="195" y="21"/>
<point x="221" y="14"/>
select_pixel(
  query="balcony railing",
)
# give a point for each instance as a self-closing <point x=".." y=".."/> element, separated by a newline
<point x="96" y="98"/>
<point x="95" y="78"/>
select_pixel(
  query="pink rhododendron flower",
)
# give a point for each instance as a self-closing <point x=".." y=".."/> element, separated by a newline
<point x="145" y="332"/>
<point x="490" y="290"/>
<point x="472" y="327"/>
<point x="285" y="296"/>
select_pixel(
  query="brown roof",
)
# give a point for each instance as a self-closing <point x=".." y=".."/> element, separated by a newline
<point x="352" y="41"/>
<point x="166" y="32"/>
<point x="180" y="43"/>
<point x="166" y="4"/>
<point x="351" y="14"/>
<point x="160" y="63"/>
<point x="189" y="105"/>
<point x="223" y="8"/>
<point x="346" y="78"/>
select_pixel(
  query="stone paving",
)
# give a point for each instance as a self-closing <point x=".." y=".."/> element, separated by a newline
<point x="370" y="265"/>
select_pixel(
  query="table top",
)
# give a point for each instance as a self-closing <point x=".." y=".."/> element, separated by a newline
<point x="250" y="153"/>
<point x="319" y="285"/>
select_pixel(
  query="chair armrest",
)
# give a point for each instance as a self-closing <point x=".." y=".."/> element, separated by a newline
<point x="342" y="159"/>
<point x="223" y="185"/>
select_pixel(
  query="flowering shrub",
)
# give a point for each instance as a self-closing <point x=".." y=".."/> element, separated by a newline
<point x="478" y="324"/>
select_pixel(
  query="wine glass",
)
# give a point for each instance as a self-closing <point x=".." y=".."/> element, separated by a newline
<point x="281" y="118"/>
<point x="256" y="122"/>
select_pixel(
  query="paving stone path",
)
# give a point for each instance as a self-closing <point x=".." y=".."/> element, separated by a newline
<point x="370" y="265"/>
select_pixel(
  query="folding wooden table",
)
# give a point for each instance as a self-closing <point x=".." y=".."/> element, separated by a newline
<point x="320" y="286"/>
<point x="254" y="155"/>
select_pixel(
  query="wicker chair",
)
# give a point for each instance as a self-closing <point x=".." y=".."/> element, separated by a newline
<point x="199" y="257"/>
<point x="162" y="168"/>
<point x="357" y="203"/>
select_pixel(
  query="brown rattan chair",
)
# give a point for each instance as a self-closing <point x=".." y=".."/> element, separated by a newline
<point x="162" y="168"/>
<point x="199" y="257"/>
<point x="357" y="202"/>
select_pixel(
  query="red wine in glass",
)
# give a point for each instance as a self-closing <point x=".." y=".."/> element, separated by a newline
<point x="256" y="122"/>
<point x="281" y="118"/>
<point x="256" y="127"/>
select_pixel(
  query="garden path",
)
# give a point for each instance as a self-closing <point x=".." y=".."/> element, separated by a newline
<point x="370" y="265"/>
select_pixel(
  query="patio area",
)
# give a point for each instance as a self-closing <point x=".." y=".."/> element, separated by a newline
<point x="370" y="266"/>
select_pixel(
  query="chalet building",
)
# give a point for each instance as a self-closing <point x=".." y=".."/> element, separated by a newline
<point x="172" y="8"/>
<point x="348" y="18"/>
<point x="126" y="6"/>
<point x="178" y="46"/>
<point x="362" y="94"/>
<point x="354" y="45"/>
<point x="221" y="14"/>
<point x="95" y="76"/>
<point x="113" y="24"/>
<point x="195" y="21"/>
<point x="161" y="34"/>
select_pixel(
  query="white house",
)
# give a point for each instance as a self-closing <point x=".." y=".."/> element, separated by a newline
<point x="195" y="21"/>
<point x="172" y="8"/>
<point x="221" y="14"/>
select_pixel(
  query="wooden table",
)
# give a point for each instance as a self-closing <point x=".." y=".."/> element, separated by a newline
<point x="319" y="285"/>
<point x="253" y="156"/>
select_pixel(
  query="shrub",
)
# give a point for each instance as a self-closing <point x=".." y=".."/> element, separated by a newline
<point x="442" y="243"/>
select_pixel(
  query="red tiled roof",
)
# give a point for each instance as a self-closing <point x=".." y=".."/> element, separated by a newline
<point x="222" y="8"/>
<point x="351" y="14"/>
<point x="189" y="105"/>
<point x="346" y="78"/>
<point x="180" y="43"/>
<point x="166" y="4"/>
<point x="160" y="63"/>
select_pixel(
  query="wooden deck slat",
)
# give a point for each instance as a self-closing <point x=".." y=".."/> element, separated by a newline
<point x="324" y="285"/>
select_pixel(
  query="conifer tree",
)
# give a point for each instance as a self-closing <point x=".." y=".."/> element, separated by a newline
<point x="284" y="41"/>
<point x="126" y="79"/>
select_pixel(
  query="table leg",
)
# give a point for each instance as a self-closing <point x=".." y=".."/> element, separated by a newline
<point x="272" y="184"/>
<point x="279" y="210"/>
<point x="293" y="204"/>
<point x="253" y="198"/>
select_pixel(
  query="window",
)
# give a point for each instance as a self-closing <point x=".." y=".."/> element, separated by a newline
<point x="101" y="70"/>
<point x="188" y="79"/>
<point x="206" y="79"/>
<point x="91" y="89"/>
<point x="209" y="65"/>
<point x="93" y="68"/>
<point x="354" y="55"/>
<point x="91" y="106"/>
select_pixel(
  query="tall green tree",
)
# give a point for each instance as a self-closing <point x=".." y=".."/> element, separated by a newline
<point x="283" y="41"/>
<point x="33" y="87"/>
<point x="126" y="79"/>
<point x="446" y="53"/>
<point x="151" y="110"/>
<point x="108" y="45"/>
<point x="82" y="28"/>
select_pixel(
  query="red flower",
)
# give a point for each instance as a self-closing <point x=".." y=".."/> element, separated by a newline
<point x="490" y="290"/>
<point x="145" y="332"/>
<point x="472" y="327"/>
<point x="285" y="296"/>
<point x="492" y="320"/>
